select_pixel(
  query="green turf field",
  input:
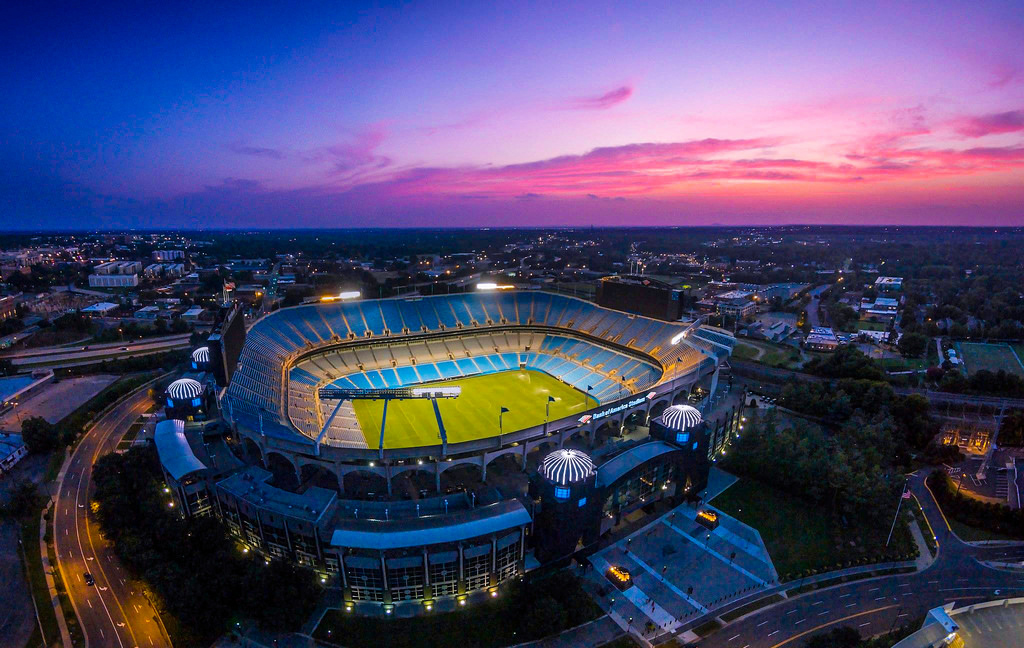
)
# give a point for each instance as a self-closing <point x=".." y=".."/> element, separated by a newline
<point x="979" y="355"/>
<point x="474" y="414"/>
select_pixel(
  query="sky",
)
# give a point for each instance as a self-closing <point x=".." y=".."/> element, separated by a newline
<point x="523" y="114"/>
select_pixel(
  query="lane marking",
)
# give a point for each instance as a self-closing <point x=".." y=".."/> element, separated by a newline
<point x="828" y="623"/>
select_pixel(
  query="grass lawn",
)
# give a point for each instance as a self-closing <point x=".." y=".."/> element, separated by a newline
<point x="474" y="414"/>
<point x="863" y="325"/>
<point x="980" y="355"/>
<point x="544" y="607"/>
<point x="770" y="354"/>
<point x="801" y="536"/>
<point x="974" y="534"/>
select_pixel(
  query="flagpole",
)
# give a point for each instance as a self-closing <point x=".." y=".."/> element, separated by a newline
<point x="896" y="517"/>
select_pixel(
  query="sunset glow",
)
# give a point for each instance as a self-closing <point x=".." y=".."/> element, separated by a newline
<point x="674" y="113"/>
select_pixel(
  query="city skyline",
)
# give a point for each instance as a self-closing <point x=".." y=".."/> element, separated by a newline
<point x="490" y="116"/>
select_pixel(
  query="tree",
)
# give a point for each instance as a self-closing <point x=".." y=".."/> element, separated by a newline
<point x="39" y="434"/>
<point x="1011" y="430"/>
<point x="24" y="500"/>
<point x="913" y="344"/>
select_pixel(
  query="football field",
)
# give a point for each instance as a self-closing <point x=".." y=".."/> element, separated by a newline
<point x="979" y="355"/>
<point x="474" y="414"/>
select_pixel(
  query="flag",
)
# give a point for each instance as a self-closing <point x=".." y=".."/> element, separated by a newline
<point x="590" y="388"/>
<point x="551" y="399"/>
<point x="504" y="409"/>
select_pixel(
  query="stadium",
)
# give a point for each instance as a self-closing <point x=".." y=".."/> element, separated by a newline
<point x="421" y="450"/>
<point x="530" y="365"/>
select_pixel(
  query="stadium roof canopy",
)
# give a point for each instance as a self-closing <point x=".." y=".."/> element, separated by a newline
<point x="185" y="388"/>
<point x="176" y="455"/>
<point x="202" y="354"/>
<point x="616" y="467"/>
<point x="680" y="417"/>
<point x="480" y="521"/>
<point x="567" y="466"/>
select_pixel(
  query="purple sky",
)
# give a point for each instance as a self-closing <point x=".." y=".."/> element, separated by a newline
<point x="513" y="114"/>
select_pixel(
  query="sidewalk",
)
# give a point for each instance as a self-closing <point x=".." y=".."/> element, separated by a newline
<point x="51" y="587"/>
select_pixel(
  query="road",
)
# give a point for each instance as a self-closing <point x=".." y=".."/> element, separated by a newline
<point x="878" y="605"/>
<point x="86" y="354"/>
<point x="114" y="612"/>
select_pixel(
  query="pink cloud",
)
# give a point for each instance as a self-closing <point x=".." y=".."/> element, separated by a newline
<point x="602" y="102"/>
<point x="1004" y="122"/>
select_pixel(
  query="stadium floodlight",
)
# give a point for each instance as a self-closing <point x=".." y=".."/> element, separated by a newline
<point x="678" y="337"/>
<point x="490" y="285"/>
<point x="344" y="296"/>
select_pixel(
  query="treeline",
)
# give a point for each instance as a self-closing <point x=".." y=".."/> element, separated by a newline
<point x="846" y="362"/>
<point x="848" y="471"/>
<point x="836" y="403"/>
<point x="996" y="518"/>
<point x="993" y="383"/>
<point x="201" y="577"/>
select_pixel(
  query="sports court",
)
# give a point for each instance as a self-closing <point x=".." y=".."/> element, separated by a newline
<point x="993" y="357"/>
<point x="474" y="414"/>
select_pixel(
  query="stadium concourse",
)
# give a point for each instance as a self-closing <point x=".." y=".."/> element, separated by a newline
<point x="393" y="445"/>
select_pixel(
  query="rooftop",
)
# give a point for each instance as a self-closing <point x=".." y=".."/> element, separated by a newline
<point x="430" y="530"/>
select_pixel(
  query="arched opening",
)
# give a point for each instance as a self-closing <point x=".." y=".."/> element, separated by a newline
<point x="248" y="451"/>
<point x="658" y="408"/>
<point x="283" y="472"/>
<point x="506" y="474"/>
<point x="636" y="423"/>
<point x="413" y="484"/>
<point x="607" y="431"/>
<point x="535" y="455"/>
<point x="316" y="475"/>
<point x="363" y="484"/>
<point x="463" y="477"/>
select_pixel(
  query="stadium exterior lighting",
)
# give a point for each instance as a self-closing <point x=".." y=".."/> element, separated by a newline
<point x="489" y="285"/>
<point x="342" y="296"/>
<point x="567" y="466"/>
<point x="678" y="337"/>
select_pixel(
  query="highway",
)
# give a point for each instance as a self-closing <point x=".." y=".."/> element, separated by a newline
<point x="86" y="354"/>
<point x="113" y="612"/>
<point x="878" y="605"/>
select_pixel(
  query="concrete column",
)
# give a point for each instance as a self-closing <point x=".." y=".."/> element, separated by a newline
<point x="387" y="476"/>
<point x="483" y="468"/>
<point x="437" y="477"/>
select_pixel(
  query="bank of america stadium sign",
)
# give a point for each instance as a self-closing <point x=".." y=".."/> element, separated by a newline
<point x="587" y="418"/>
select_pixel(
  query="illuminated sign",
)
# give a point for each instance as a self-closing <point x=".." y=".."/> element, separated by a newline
<point x="618" y="408"/>
<point x="708" y="519"/>
<point x="620" y="577"/>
